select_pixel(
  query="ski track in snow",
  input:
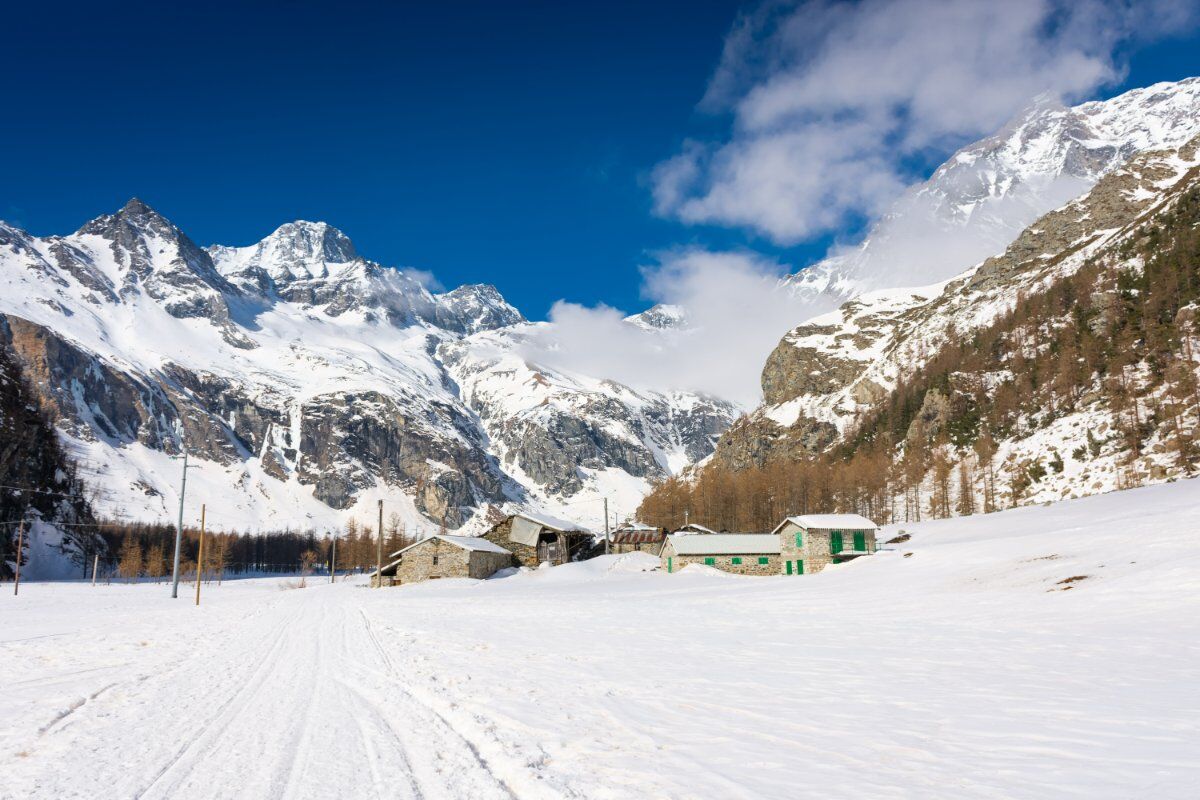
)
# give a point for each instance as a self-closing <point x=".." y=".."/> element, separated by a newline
<point x="1042" y="652"/>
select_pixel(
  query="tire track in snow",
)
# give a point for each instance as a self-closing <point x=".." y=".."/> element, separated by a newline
<point x="226" y="712"/>
<point x="530" y="786"/>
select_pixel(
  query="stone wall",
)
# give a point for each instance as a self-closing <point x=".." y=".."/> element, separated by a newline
<point x="526" y="556"/>
<point x="814" y="549"/>
<point x="522" y="556"/>
<point x="673" y="562"/>
<point x="641" y="547"/>
<point x="435" y="558"/>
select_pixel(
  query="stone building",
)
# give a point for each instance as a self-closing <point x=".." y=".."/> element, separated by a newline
<point x="634" y="537"/>
<point x="445" y="556"/>
<point x="811" y="542"/>
<point x="743" y="553"/>
<point x="535" y="539"/>
<point x="798" y="546"/>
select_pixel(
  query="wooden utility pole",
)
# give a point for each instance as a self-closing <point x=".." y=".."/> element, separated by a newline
<point x="200" y="556"/>
<point x="95" y="568"/>
<point x="20" y="549"/>
<point x="606" y="526"/>
<point x="379" y="550"/>
<point x="333" y="560"/>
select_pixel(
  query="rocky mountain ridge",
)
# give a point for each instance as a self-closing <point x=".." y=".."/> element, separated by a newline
<point x="307" y="381"/>
<point x="826" y="375"/>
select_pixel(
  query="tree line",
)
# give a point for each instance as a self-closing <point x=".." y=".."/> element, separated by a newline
<point x="1119" y="335"/>
<point x="145" y="550"/>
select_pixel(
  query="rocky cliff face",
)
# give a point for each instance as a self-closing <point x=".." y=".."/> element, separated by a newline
<point x="826" y="374"/>
<point x="308" y="382"/>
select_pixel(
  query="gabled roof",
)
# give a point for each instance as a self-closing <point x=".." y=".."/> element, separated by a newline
<point x="635" y="526"/>
<point x="465" y="542"/>
<point x="553" y="523"/>
<point x="719" y="544"/>
<point x="642" y="535"/>
<point x="834" y="521"/>
<point x="693" y="527"/>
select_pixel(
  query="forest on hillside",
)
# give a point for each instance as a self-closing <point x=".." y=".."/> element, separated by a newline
<point x="1118" y="335"/>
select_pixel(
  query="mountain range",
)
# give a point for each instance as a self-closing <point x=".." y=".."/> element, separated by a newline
<point x="307" y="382"/>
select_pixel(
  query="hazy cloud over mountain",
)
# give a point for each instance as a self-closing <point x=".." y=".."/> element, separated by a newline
<point x="833" y="102"/>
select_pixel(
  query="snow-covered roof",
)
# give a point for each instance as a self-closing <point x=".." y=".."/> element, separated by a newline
<point x="834" y="521"/>
<point x="635" y="526"/>
<point x="692" y="527"/>
<point x="724" y="543"/>
<point x="553" y="523"/>
<point x="465" y="542"/>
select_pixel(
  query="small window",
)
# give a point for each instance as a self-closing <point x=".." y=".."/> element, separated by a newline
<point x="710" y="561"/>
<point x="799" y="539"/>
<point x="737" y="560"/>
<point x="764" y="560"/>
<point x="435" y="561"/>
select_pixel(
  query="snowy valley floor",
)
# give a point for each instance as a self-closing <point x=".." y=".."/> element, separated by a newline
<point x="968" y="669"/>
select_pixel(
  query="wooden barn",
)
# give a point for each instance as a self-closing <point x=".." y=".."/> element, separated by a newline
<point x="743" y="553"/>
<point x="535" y="539"/>
<point x="811" y="542"/>
<point x="634" y="537"/>
<point x="445" y="556"/>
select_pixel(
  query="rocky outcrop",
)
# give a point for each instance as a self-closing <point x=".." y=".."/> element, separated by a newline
<point x="825" y="374"/>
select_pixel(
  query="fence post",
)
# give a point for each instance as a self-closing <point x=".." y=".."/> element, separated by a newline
<point x="20" y="549"/>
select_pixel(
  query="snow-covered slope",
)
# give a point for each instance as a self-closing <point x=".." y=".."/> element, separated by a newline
<point x="828" y="374"/>
<point x="304" y="379"/>
<point x="977" y="202"/>
<point x="1042" y="652"/>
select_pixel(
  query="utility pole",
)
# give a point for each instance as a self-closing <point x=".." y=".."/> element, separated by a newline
<point x="379" y="550"/>
<point x="200" y="556"/>
<point x="606" y="526"/>
<point x="179" y="530"/>
<point x="20" y="549"/>
<point x="95" y="568"/>
<point x="333" y="560"/>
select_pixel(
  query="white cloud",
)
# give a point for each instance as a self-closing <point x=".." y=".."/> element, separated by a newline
<point x="736" y="316"/>
<point x="832" y="102"/>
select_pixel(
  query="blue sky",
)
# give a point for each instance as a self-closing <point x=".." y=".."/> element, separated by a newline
<point x="485" y="142"/>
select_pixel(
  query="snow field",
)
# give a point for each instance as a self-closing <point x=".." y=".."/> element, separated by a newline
<point x="964" y="662"/>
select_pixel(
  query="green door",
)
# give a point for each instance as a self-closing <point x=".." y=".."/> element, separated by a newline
<point x="860" y="540"/>
<point x="670" y="565"/>
<point x="789" y="568"/>
<point x="835" y="541"/>
<point x="799" y="567"/>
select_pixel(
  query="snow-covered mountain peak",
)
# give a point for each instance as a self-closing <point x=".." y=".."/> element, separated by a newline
<point x="984" y="195"/>
<point x="479" y="307"/>
<point x="663" y="316"/>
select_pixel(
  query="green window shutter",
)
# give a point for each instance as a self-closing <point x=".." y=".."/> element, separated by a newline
<point x="860" y="540"/>
<point x="799" y="539"/>
<point x="764" y="560"/>
<point x="737" y="560"/>
<point x="710" y="562"/>
<point x="835" y="541"/>
<point x="799" y="567"/>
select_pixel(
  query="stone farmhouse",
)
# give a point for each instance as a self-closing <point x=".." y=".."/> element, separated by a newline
<point x="634" y="537"/>
<point x="811" y="542"/>
<point x="743" y="553"/>
<point x="445" y="556"/>
<point x="798" y="546"/>
<point x="535" y="539"/>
